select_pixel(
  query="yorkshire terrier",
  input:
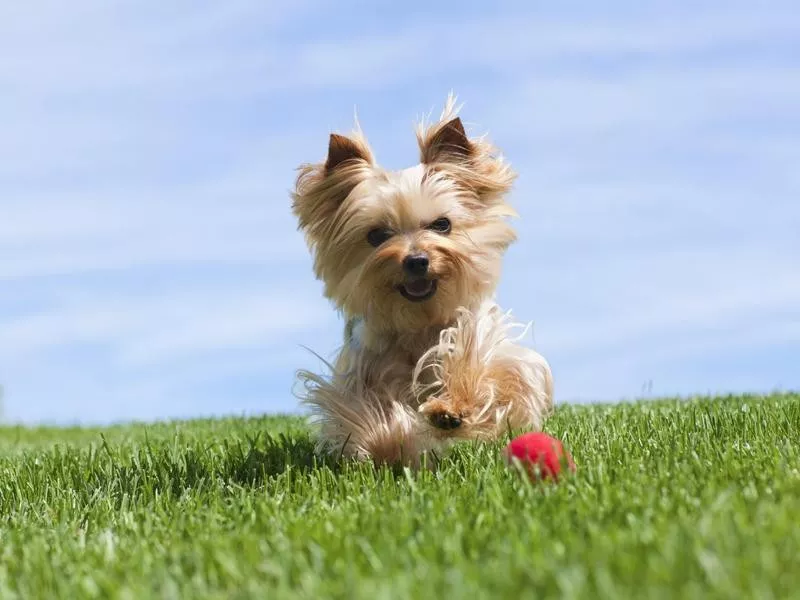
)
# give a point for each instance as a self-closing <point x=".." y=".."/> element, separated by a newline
<point x="412" y="259"/>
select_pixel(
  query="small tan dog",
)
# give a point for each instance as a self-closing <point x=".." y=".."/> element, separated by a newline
<point x="412" y="259"/>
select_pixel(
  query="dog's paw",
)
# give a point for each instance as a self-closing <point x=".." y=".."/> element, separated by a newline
<point x="445" y="421"/>
<point x="441" y="415"/>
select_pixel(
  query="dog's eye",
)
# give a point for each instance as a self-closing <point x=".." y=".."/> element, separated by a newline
<point x="440" y="225"/>
<point x="378" y="236"/>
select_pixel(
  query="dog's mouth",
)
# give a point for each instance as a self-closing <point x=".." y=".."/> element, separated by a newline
<point x="417" y="290"/>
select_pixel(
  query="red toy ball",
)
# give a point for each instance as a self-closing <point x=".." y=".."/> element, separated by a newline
<point x="542" y="455"/>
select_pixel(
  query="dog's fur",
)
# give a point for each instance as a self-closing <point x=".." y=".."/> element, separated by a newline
<point x="416" y="372"/>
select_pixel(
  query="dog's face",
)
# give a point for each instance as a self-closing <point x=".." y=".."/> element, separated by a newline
<point x="405" y="249"/>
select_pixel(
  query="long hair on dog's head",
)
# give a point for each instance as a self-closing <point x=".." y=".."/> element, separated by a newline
<point x="405" y="249"/>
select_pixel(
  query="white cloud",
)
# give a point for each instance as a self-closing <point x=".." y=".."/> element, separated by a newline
<point x="678" y="102"/>
<point x="240" y="213"/>
<point x="93" y="48"/>
<point x="113" y="240"/>
<point x="678" y="308"/>
<point x="216" y="326"/>
<point x="513" y="44"/>
<point x="679" y="365"/>
<point x="157" y="327"/>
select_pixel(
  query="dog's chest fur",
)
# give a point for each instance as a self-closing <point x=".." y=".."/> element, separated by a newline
<point x="378" y="360"/>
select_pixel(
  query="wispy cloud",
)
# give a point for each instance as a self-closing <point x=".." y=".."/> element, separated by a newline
<point x="509" y="45"/>
<point x="153" y="327"/>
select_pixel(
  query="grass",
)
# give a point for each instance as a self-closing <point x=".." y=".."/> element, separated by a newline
<point x="672" y="499"/>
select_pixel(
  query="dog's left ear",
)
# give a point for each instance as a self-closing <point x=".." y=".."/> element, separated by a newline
<point x="445" y="141"/>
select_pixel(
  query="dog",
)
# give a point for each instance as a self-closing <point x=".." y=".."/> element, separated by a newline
<point x="412" y="259"/>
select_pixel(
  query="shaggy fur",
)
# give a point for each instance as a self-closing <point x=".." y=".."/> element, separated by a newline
<point x="428" y="358"/>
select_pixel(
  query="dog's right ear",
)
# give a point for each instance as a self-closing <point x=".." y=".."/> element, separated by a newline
<point x="342" y="149"/>
<point x="445" y="141"/>
<point x="321" y="188"/>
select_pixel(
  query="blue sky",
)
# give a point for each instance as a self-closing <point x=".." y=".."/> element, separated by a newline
<point x="150" y="266"/>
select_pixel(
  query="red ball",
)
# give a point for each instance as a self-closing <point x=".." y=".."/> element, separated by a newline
<point x="541" y="455"/>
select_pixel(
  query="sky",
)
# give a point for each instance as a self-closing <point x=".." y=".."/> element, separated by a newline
<point x="150" y="267"/>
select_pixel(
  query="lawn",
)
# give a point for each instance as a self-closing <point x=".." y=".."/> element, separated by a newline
<point x="673" y="499"/>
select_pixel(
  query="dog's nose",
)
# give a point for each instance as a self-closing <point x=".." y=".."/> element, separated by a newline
<point x="416" y="264"/>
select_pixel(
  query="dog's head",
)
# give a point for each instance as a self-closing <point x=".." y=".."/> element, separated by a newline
<point x="405" y="249"/>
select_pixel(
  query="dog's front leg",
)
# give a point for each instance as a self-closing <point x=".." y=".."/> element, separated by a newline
<point x="483" y="401"/>
<point x="368" y="422"/>
<point x="481" y="382"/>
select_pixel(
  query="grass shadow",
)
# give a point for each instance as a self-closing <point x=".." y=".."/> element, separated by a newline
<point x="151" y="469"/>
<point x="267" y="456"/>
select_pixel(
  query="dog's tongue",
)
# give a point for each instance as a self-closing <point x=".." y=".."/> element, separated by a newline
<point x="418" y="287"/>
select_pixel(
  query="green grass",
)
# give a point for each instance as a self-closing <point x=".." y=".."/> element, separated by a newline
<point x="672" y="499"/>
